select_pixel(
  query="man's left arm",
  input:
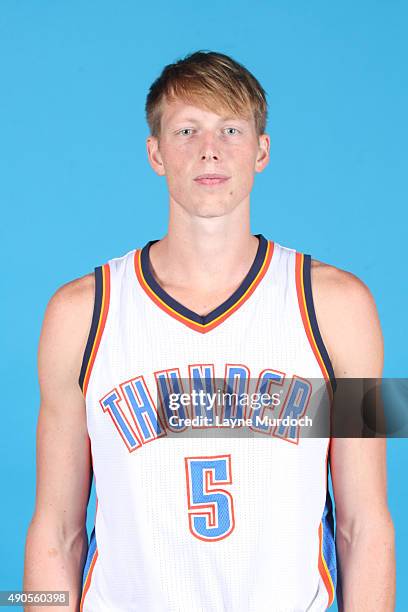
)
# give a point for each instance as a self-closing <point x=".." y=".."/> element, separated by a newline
<point x="348" y="322"/>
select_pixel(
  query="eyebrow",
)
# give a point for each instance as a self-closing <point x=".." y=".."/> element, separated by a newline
<point x="192" y="120"/>
<point x="183" y="119"/>
<point x="233" y="118"/>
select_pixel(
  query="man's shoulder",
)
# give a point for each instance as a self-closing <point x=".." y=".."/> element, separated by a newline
<point x="339" y="287"/>
<point x="79" y="293"/>
<point x="346" y="314"/>
<point x="67" y="318"/>
<point x="74" y="294"/>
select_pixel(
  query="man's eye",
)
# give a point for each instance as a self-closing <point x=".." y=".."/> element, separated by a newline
<point x="231" y="131"/>
<point x="185" y="131"/>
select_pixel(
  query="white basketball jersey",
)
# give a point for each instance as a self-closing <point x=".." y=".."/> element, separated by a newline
<point x="189" y="519"/>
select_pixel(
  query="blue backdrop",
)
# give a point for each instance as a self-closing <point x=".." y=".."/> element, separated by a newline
<point x="76" y="187"/>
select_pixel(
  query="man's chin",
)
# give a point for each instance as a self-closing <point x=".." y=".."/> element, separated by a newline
<point x="208" y="209"/>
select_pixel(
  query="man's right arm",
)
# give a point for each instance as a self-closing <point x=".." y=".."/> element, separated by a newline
<point x="56" y="543"/>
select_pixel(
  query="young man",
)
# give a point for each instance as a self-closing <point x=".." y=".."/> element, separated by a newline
<point x="200" y="522"/>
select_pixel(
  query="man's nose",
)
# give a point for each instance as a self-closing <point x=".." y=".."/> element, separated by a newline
<point x="209" y="149"/>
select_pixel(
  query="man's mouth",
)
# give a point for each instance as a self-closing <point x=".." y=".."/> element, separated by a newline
<point x="211" y="179"/>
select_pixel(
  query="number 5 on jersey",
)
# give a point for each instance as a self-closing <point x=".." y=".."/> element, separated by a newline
<point x="210" y="508"/>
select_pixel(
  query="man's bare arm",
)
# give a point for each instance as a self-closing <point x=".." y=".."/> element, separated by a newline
<point x="349" y="324"/>
<point x="56" y="541"/>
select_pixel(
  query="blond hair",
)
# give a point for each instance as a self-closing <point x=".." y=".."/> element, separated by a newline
<point x="212" y="81"/>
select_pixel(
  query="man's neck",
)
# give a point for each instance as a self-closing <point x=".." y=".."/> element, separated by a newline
<point x="203" y="262"/>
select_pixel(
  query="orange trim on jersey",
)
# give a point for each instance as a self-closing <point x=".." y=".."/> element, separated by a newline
<point x="101" y="323"/>
<point x="324" y="570"/>
<point x="322" y="565"/>
<point x="300" y="289"/>
<point x="203" y="327"/>
<point x="88" y="578"/>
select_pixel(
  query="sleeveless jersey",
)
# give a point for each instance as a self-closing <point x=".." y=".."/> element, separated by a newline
<point x="199" y="522"/>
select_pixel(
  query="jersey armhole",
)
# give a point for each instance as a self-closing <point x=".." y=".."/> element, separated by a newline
<point x="100" y="312"/>
<point x="307" y="309"/>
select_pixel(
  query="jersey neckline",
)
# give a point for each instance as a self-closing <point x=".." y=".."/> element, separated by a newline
<point x="203" y="323"/>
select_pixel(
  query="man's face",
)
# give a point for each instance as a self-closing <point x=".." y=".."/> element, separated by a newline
<point x="209" y="160"/>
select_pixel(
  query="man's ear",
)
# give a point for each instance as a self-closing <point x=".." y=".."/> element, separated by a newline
<point x="262" y="159"/>
<point x="154" y="156"/>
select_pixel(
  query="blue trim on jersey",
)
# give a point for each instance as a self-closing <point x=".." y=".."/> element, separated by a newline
<point x="220" y="310"/>
<point x="94" y="325"/>
<point x="91" y="552"/>
<point x="307" y="283"/>
<point x="328" y="540"/>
